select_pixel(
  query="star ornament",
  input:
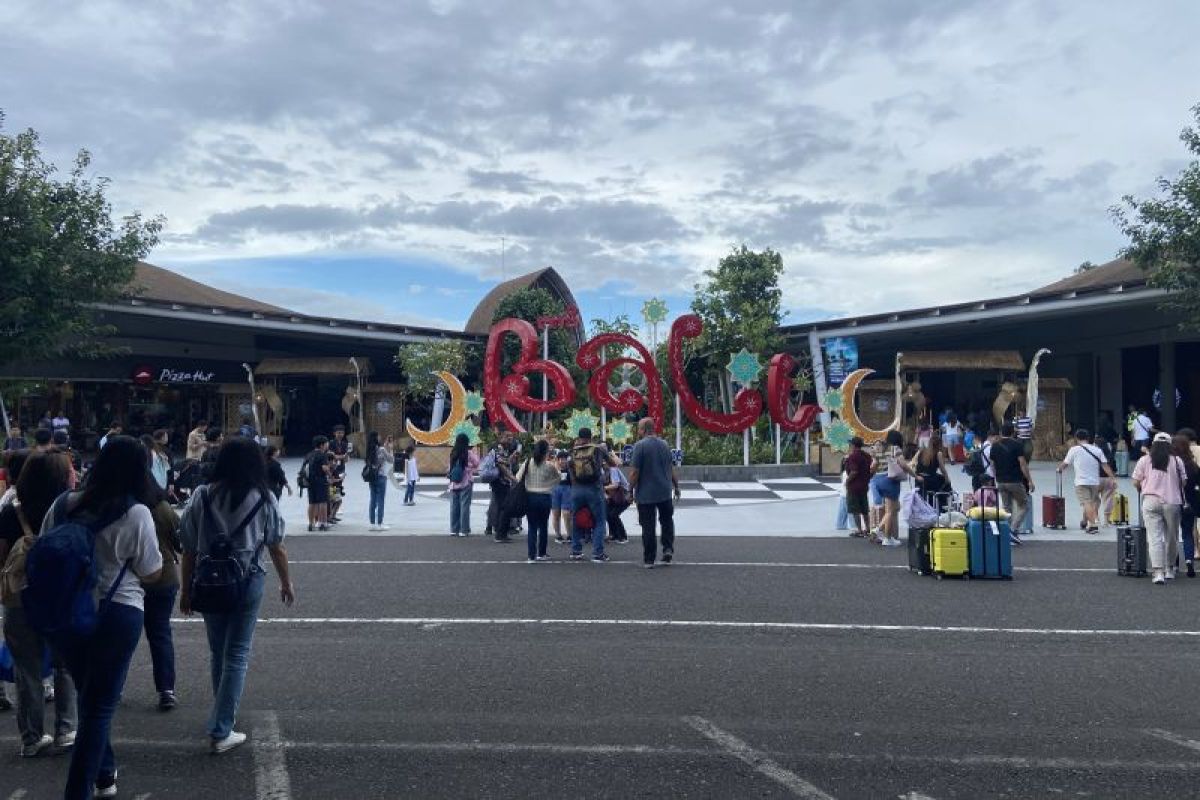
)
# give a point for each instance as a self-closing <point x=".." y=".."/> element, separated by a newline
<point x="469" y="428"/>
<point x="581" y="418"/>
<point x="832" y="401"/>
<point x="473" y="403"/>
<point x="744" y="367"/>
<point x="620" y="431"/>
<point x="654" y="311"/>
<point x="838" y="435"/>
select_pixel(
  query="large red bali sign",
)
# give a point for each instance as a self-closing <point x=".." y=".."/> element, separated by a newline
<point x="505" y="392"/>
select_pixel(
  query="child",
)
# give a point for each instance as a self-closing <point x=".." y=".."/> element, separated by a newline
<point x="412" y="474"/>
<point x="560" y="500"/>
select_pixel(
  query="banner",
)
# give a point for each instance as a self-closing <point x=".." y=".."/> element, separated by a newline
<point x="841" y="358"/>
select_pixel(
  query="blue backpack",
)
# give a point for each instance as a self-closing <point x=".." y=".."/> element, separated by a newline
<point x="60" y="574"/>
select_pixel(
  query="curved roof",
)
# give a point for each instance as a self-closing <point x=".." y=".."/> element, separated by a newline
<point x="155" y="283"/>
<point x="548" y="279"/>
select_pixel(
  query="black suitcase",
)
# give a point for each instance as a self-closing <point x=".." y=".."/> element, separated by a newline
<point x="918" y="551"/>
<point x="1132" y="550"/>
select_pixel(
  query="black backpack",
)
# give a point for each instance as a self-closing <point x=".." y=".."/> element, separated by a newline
<point x="219" y="582"/>
<point x="977" y="464"/>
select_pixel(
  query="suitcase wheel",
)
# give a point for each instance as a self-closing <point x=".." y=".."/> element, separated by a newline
<point x="938" y="575"/>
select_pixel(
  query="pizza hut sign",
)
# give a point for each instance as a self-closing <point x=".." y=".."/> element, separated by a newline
<point x="144" y="375"/>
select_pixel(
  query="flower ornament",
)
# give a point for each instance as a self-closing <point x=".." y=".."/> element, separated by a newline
<point x="838" y="434"/>
<point x="473" y="403"/>
<point x="579" y="419"/>
<point x="832" y="401"/>
<point x="469" y="428"/>
<point x="744" y="367"/>
<point x="620" y="431"/>
<point x="654" y="311"/>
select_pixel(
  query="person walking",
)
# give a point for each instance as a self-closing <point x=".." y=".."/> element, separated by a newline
<point x="118" y="488"/>
<point x="379" y="463"/>
<point x="1011" y="471"/>
<point x="464" y="464"/>
<point x="159" y="460"/>
<point x="1141" y="429"/>
<point x="276" y="476"/>
<point x="616" y="500"/>
<point x="160" y="602"/>
<point x="887" y="483"/>
<point x="540" y="475"/>
<point x="239" y="505"/>
<point x="1108" y="485"/>
<point x="318" y="475"/>
<point x="655" y="484"/>
<point x="560" y="499"/>
<point x="1181" y="446"/>
<point x="412" y="475"/>
<point x="495" y="471"/>
<point x="589" y="468"/>
<point x="1089" y="463"/>
<point x="43" y="478"/>
<point x="1160" y="477"/>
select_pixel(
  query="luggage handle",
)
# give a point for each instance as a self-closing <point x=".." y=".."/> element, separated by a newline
<point x="1058" y="481"/>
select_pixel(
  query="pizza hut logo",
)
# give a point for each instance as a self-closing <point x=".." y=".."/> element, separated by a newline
<point x="143" y="375"/>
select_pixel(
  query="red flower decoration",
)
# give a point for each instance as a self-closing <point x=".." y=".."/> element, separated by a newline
<point x="630" y="400"/>
<point x="748" y="404"/>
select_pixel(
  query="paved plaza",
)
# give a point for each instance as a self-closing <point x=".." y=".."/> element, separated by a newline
<point x="785" y="666"/>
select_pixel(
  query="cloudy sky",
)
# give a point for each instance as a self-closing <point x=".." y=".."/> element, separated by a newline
<point x="368" y="159"/>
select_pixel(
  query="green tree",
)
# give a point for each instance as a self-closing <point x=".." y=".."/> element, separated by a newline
<point x="620" y="324"/>
<point x="420" y="360"/>
<point x="529" y="304"/>
<point x="60" y="253"/>
<point x="1164" y="233"/>
<point x="1084" y="267"/>
<point x="741" y="305"/>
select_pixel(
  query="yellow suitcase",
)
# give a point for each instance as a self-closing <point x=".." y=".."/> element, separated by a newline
<point x="1120" y="510"/>
<point x="948" y="552"/>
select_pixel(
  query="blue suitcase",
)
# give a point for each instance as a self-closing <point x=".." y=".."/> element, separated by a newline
<point x="990" y="546"/>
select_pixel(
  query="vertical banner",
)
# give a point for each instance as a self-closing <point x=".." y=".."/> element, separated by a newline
<point x="841" y="358"/>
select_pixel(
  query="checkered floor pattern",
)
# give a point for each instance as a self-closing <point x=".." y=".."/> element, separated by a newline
<point x="696" y="494"/>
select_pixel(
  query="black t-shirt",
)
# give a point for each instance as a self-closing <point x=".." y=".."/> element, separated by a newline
<point x="1005" y="455"/>
<point x="10" y="526"/>
<point x="316" y="468"/>
<point x="276" y="478"/>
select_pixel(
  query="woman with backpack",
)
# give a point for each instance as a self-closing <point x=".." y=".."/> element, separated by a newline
<point x="464" y="463"/>
<point x="115" y="506"/>
<point x="224" y="531"/>
<point x="44" y="476"/>
<point x="375" y="472"/>
<point x="540" y="475"/>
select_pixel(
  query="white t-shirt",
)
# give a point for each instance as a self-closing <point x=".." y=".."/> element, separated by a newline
<point x="1086" y="460"/>
<point x="130" y="538"/>
<point x="1142" y="427"/>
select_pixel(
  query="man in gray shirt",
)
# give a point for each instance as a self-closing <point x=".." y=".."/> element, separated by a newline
<point x="655" y="483"/>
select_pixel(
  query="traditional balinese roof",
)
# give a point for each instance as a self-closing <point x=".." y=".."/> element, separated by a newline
<point x="165" y="286"/>
<point x="1121" y="272"/>
<point x="484" y="315"/>
<point x="956" y="360"/>
<point x="311" y="366"/>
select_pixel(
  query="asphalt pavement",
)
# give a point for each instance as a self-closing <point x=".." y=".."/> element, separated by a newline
<point x="753" y="667"/>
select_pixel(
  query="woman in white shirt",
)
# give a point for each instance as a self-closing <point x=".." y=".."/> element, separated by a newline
<point x="126" y="554"/>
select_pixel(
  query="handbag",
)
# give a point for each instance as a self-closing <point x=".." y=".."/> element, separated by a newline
<point x="517" y="502"/>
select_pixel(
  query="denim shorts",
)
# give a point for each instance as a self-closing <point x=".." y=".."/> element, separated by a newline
<point x="888" y="488"/>
<point x="560" y="498"/>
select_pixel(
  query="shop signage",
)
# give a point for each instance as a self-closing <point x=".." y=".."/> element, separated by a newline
<point x="841" y="358"/>
<point x="383" y="406"/>
<point x="168" y="375"/>
<point x="143" y="375"/>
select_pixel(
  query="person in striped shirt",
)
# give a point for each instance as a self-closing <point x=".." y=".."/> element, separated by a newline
<point x="1024" y="428"/>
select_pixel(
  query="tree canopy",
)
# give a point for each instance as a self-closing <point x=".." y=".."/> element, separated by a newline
<point x="420" y="360"/>
<point x="1164" y="233"/>
<point x="60" y="253"/>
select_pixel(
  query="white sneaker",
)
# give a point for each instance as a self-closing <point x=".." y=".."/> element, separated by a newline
<point x="64" y="741"/>
<point x="1159" y="579"/>
<point x="228" y="743"/>
<point x="383" y="527"/>
<point x="892" y="543"/>
<point x="1171" y="574"/>
<point x="372" y="527"/>
<point x="35" y="749"/>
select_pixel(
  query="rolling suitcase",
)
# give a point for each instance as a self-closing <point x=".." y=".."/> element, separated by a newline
<point x="1122" y="465"/>
<point x="948" y="553"/>
<point x="1054" y="507"/>
<point x="1132" y="550"/>
<point x="918" y="551"/>
<point x="958" y="453"/>
<point x="989" y="545"/>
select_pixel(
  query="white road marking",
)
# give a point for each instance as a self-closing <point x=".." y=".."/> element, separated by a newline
<point x="754" y="564"/>
<point x="1173" y="738"/>
<point x="757" y="760"/>
<point x="708" y="623"/>
<point x="145" y="796"/>
<point x="271" y="779"/>
<point x="915" y="796"/>
<point x="19" y="794"/>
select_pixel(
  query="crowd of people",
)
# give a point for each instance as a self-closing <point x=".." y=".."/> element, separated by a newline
<point x="81" y="628"/>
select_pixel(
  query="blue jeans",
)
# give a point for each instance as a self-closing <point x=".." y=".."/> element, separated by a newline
<point x="378" y="495"/>
<point x="99" y="665"/>
<point x="160" y="602"/>
<point x="460" y="509"/>
<point x="538" y="534"/>
<point x="229" y="639"/>
<point x="591" y="496"/>
<point x="843" y="516"/>
<point x="409" y="491"/>
<point x="1189" y="541"/>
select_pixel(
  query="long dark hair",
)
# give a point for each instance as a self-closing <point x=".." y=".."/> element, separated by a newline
<point x="894" y="439"/>
<point x="1160" y="455"/>
<point x="16" y="460"/>
<point x="120" y="472"/>
<point x="1182" y="447"/>
<point x="540" y="449"/>
<point x="372" y="446"/>
<point x="240" y="467"/>
<point x="43" y="478"/>
<point x="931" y="451"/>
<point x="458" y="453"/>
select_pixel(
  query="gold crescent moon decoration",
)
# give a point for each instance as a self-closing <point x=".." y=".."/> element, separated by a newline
<point x="458" y="412"/>
<point x="849" y="415"/>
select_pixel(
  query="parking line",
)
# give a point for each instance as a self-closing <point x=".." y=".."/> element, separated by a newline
<point x="271" y="779"/>
<point x="756" y="760"/>
<point x="1173" y="738"/>
<point x="709" y="623"/>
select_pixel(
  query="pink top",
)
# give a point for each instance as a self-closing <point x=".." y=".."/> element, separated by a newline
<point x="1167" y="485"/>
<point x="469" y="472"/>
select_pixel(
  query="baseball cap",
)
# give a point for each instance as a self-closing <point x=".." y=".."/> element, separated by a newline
<point x="1162" y="437"/>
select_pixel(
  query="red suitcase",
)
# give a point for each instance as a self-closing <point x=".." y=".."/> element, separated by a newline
<point x="1054" y="508"/>
<point x="958" y="454"/>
